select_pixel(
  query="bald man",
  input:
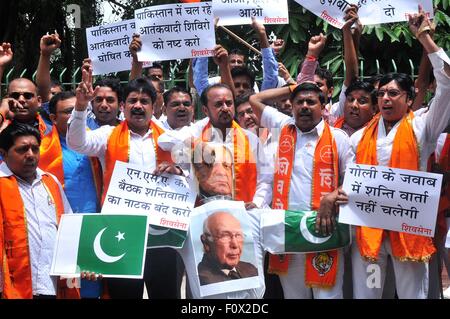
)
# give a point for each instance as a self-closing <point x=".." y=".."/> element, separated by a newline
<point x="212" y="164"/>
<point x="222" y="241"/>
<point x="25" y="103"/>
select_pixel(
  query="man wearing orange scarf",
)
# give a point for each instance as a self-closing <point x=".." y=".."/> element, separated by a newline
<point x="250" y="183"/>
<point x="31" y="204"/>
<point x="311" y="161"/>
<point x="24" y="103"/>
<point x="79" y="175"/>
<point x="132" y="141"/>
<point x="397" y="138"/>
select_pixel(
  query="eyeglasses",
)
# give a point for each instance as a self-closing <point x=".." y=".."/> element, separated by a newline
<point x="26" y="95"/>
<point x="24" y="149"/>
<point x="391" y="93"/>
<point x="248" y="111"/>
<point x="226" y="237"/>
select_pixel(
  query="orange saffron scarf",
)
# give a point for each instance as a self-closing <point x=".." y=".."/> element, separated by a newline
<point x="14" y="249"/>
<point x="51" y="160"/>
<point x="325" y="180"/>
<point x="118" y="149"/>
<point x="244" y="164"/>
<point x="339" y="122"/>
<point x="405" y="154"/>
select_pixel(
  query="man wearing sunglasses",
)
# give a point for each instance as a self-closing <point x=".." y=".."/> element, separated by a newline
<point x="24" y="103"/>
<point x="398" y="138"/>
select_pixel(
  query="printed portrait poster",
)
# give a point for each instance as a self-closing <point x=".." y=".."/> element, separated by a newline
<point x="227" y="262"/>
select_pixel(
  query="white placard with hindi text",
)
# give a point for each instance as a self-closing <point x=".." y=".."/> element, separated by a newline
<point x="167" y="199"/>
<point x="108" y="46"/>
<point x="175" y="31"/>
<point x="370" y="12"/>
<point x="237" y="12"/>
<point x="391" y="198"/>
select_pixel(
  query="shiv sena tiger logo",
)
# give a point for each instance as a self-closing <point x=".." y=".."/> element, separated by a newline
<point x="322" y="262"/>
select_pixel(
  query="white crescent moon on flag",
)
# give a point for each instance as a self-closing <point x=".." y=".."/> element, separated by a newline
<point x="157" y="232"/>
<point x="307" y="234"/>
<point x="100" y="253"/>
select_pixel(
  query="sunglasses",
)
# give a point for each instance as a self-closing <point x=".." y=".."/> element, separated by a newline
<point x="26" y="95"/>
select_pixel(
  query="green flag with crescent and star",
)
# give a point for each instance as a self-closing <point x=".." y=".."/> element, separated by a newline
<point x="286" y="231"/>
<point x="111" y="245"/>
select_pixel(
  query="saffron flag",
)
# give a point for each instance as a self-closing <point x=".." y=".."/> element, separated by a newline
<point x="286" y="231"/>
<point x="111" y="245"/>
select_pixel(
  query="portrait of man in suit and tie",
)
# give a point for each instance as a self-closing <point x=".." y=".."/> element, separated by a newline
<point x="223" y="242"/>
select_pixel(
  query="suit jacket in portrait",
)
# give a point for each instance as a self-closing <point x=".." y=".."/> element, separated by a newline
<point x="209" y="272"/>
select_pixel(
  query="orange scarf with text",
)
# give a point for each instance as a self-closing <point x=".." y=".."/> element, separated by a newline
<point x="325" y="180"/>
<point x="245" y="175"/>
<point x="14" y="258"/>
<point x="51" y="160"/>
<point x="118" y="149"/>
<point x="405" y="154"/>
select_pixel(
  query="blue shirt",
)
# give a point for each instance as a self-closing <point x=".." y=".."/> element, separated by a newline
<point x="79" y="183"/>
<point x="92" y="123"/>
<point x="270" y="71"/>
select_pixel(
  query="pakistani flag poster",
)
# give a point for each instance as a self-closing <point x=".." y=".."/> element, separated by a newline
<point x="111" y="245"/>
<point x="285" y="231"/>
<point x="159" y="236"/>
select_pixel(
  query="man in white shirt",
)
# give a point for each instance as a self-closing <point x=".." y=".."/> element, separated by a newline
<point x="398" y="138"/>
<point x="133" y="141"/>
<point x="31" y="203"/>
<point x="178" y="108"/>
<point x="251" y="183"/>
<point x="302" y="190"/>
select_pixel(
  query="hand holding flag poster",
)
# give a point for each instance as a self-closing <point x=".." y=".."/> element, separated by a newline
<point x="285" y="231"/>
<point x="111" y="245"/>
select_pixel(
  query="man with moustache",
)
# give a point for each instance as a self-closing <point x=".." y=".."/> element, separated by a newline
<point x="250" y="182"/>
<point x="24" y="103"/>
<point x="311" y="162"/>
<point x="178" y="108"/>
<point x="133" y="141"/>
<point x="31" y="204"/>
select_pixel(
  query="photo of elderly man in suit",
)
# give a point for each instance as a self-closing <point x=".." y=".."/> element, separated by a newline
<point x="223" y="241"/>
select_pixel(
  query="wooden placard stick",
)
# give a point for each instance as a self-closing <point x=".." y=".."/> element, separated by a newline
<point x="239" y="39"/>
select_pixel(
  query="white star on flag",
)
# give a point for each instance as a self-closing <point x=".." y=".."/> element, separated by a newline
<point x="119" y="236"/>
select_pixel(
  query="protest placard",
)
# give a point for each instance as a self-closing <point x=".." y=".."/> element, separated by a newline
<point x="237" y="12"/>
<point x="370" y="12"/>
<point x="167" y="199"/>
<point x="175" y="31"/>
<point x="391" y="198"/>
<point x="108" y="46"/>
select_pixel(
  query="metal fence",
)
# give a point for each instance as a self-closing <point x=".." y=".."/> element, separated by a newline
<point x="172" y="80"/>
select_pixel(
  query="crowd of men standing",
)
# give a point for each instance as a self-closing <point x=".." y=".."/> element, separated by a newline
<point x="58" y="151"/>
